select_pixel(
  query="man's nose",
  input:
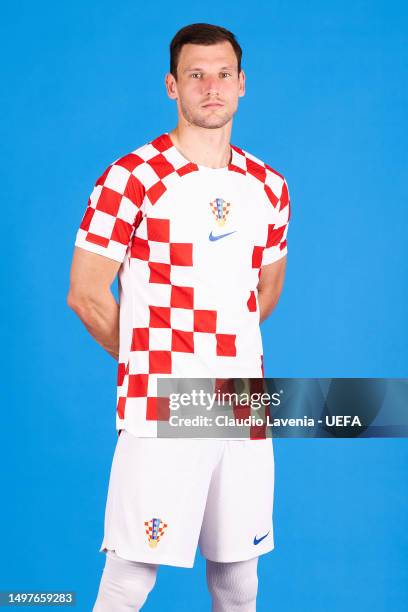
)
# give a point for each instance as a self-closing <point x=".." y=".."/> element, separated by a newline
<point x="211" y="85"/>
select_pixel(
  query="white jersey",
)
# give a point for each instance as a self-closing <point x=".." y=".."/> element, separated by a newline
<point x="191" y="241"/>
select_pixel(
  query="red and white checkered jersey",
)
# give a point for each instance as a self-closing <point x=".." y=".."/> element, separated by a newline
<point x="191" y="241"/>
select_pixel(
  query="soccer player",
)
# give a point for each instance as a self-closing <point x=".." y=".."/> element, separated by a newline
<point x="195" y="227"/>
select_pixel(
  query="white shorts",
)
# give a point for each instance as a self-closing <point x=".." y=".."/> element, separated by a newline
<point x="166" y="495"/>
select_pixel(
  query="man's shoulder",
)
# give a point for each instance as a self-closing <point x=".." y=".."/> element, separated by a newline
<point x="139" y="171"/>
<point x="257" y="166"/>
<point x="274" y="182"/>
<point x="146" y="152"/>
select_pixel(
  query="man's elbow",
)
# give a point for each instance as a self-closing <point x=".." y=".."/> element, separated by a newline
<point x="270" y="295"/>
<point x="78" y="302"/>
<point x="268" y="301"/>
<point x="71" y="300"/>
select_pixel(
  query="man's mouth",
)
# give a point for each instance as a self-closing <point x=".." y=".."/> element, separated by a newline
<point x="213" y="105"/>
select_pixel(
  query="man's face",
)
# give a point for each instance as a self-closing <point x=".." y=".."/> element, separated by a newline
<point x="208" y="84"/>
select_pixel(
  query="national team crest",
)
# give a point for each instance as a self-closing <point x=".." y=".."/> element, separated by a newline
<point x="220" y="209"/>
<point x="155" y="528"/>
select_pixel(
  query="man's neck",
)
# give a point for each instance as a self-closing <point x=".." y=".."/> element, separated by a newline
<point x="202" y="146"/>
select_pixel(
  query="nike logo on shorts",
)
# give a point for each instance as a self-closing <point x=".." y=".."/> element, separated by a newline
<point x="257" y="540"/>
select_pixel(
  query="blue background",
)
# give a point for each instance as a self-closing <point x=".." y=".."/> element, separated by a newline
<point x="326" y="106"/>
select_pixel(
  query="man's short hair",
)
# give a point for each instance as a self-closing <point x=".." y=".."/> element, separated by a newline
<point x="201" y="34"/>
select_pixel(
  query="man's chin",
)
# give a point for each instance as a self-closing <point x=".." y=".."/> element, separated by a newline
<point x="211" y="123"/>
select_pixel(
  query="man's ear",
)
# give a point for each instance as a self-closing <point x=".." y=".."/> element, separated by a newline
<point x="171" y="86"/>
<point x="241" y="78"/>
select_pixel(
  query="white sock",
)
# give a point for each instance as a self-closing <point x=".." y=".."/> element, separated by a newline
<point x="124" y="585"/>
<point x="233" y="586"/>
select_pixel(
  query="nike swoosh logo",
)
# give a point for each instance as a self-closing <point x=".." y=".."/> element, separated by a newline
<point x="256" y="540"/>
<point x="212" y="238"/>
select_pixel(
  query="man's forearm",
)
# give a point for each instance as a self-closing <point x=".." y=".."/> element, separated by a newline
<point x="101" y="318"/>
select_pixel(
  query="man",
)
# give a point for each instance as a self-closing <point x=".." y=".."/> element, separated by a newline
<point x="196" y="228"/>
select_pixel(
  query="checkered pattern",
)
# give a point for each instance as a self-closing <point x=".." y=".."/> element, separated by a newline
<point x="189" y="306"/>
<point x="273" y="183"/>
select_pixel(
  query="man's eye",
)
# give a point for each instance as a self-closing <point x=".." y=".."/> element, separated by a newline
<point x="195" y="74"/>
<point x="226" y="74"/>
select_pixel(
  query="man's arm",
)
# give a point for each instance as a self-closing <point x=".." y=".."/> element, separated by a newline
<point x="270" y="286"/>
<point x="90" y="297"/>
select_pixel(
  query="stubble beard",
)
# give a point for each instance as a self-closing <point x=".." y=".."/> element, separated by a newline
<point x="212" y="122"/>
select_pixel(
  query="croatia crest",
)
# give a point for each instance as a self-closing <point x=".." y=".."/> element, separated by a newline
<point x="155" y="528"/>
<point x="220" y="209"/>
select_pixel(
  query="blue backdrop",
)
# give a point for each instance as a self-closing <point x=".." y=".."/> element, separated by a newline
<point x="326" y="106"/>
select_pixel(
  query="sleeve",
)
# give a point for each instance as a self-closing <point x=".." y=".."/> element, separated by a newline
<point x="113" y="212"/>
<point x="276" y="244"/>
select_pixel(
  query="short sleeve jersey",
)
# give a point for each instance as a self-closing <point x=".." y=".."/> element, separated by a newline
<point x="191" y="241"/>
